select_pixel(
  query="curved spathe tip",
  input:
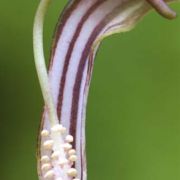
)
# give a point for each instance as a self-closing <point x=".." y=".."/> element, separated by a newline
<point x="162" y="8"/>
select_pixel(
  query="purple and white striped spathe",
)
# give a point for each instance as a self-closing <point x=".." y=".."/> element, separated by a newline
<point x="83" y="24"/>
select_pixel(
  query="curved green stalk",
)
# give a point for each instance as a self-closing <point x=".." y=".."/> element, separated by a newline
<point x="40" y="60"/>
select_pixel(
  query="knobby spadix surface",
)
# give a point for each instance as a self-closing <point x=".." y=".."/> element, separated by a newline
<point x="82" y="26"/>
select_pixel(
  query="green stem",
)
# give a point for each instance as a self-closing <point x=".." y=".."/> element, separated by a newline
<point x="40" y="60"/>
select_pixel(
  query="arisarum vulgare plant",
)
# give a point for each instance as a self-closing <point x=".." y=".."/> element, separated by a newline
<point x="81" y="27"/>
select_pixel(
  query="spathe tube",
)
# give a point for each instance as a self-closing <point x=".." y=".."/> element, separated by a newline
<point x="81" y="28"/>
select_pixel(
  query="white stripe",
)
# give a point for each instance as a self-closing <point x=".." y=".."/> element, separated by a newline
<point x="79" y="119"/>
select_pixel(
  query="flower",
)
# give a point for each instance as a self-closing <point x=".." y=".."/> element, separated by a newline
<point x="81" y="28"/>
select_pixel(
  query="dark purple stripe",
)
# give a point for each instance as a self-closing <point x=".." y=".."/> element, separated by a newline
<point x="85" y="53"/>
<point x="69" y="53"/>
<point x="76" y="89"/>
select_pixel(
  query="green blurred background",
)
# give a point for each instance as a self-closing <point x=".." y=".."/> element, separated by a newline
<point x="133" y="117"/>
